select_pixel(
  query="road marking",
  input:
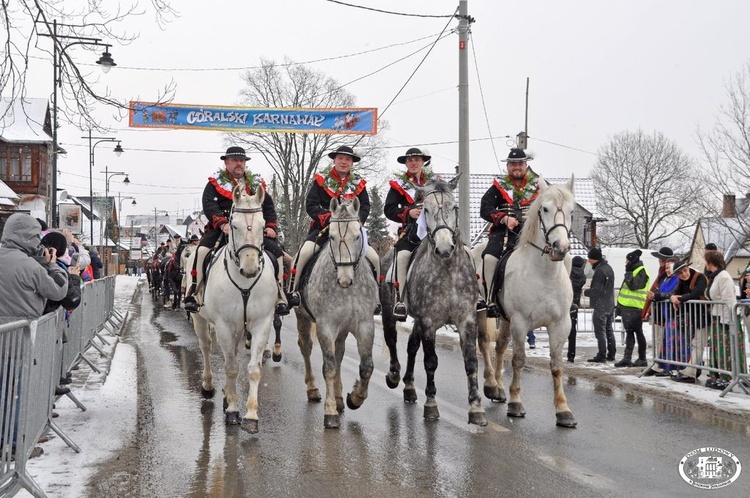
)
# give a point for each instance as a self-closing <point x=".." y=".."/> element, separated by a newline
<point x="576" y="472"/>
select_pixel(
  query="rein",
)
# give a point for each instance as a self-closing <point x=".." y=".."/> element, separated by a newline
<point x="547" y="248"/>
<point x="355" y="261"/>
<point x="444" y="225"/>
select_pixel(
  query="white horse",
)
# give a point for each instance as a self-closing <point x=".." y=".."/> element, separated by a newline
<point x="338" y="299"/>
<point x="239" y="298"/>
<point x="536" y="292"/>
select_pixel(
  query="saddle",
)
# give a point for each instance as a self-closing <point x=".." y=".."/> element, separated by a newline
<point x="499" y="280"/>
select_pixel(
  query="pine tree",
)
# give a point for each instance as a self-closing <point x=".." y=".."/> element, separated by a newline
<point x="377" y="225"/>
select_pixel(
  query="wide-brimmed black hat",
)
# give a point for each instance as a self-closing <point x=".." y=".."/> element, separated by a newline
<point x="414" y="152"/>
<point x="345" y="150"/>
<point x="664" y="253"/>
<point x="680" y="265"/>
<point x="194" y="238"/>
<point x="233" y="152"/>
<point x="517" y="155"/>
<point x="711" y="247"/>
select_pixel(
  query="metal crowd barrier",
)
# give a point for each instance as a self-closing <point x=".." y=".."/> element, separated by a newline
<point x="33" y="355"/>
<point x="705" y="335"/>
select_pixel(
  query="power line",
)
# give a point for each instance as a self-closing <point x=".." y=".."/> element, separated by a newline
<point x="565" y="146"/>
<point x="484" y="105"/>
<point x="389" y="11"/>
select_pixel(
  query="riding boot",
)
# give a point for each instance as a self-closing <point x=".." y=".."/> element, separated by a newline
<point x="403" y="258"/>
<point x="488" y="270"/>
<point x="196" y="278"/>
<point x="282" y="308"/>
<point x="481" y="303"/>
<point x="303" y="256"/>
<point x="625" y="362"/>
<point x="374" y="260"/>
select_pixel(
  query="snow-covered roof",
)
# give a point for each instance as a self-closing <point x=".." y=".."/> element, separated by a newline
<point x="7" y="196"/>
<point x="180" y="230"/>
<point x="583" y="191"/>
<point x="729" y="235"/>
<point x="23" y="121"/>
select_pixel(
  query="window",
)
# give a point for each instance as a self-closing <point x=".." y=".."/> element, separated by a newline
<point x="16" y="163"/>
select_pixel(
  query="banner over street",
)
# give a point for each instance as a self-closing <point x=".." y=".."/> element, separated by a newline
<point x="354" y="121"/>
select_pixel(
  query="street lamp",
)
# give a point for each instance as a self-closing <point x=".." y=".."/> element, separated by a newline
<point x="59" y="45"/>
<point x="119" y="225"/>
<point x="108" y="176"/>
<point x="92" y="146"/>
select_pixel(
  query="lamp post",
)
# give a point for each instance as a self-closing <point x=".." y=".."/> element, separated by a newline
<point x="119" y="225"/>
<point x="59" y="45"/>
<point x="118" y="150"/>
<point x="108" y="176"/>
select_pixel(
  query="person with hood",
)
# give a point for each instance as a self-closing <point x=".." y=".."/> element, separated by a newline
<point x="601" y="295"/>
<point x="630" y="302"/>
<point x="96" y="264"/>
<point x="577" y="280"/>
<point x="27" y="285"/>
<point x="57" y="241"/>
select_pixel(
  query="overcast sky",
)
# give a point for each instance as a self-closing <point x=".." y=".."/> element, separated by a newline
<point x="596" y="69"/>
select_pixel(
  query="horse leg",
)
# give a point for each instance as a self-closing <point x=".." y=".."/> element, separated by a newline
<point x="304" y="341"/>
<point x="337" y="385"/>
<point x="501" y="347"/>
<point x="277" y="342"/>
<point x="430" y="365"/>
<point x="468" y="335"/>
<point x="515" y="406"/>
<point x="331" y="417"/>
<point x="254" y="372"/>
<point x="410" y="394"/>
<point x="390" y="333"/>
<point x="365" y="338"/>
<point x="557" y="337"/>
<point x="204" y="340"/>
<point x="485" y="331"/>
<point x="225" y="338"/>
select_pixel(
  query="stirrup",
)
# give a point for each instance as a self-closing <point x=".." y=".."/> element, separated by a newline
<point x="282" y="309"/>
<point x="399" y="311"/>
<point x="190" y="305"/>
<point x="493" y="311"/>
<point x="293" y="299"/>
<point x="481" y="305"/>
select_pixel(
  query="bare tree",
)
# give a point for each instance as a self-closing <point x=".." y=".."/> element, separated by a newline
<point x="53" y="26"/>
<point x="647" y="187"/>
<point x="295" y="157"/>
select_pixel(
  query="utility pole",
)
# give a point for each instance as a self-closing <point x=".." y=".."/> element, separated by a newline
<point x="463" y="121"/>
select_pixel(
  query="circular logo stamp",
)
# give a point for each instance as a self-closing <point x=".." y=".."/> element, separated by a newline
<point x="710" y="468"/>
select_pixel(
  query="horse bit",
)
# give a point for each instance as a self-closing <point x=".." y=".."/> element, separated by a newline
<point x="444" y="225"/>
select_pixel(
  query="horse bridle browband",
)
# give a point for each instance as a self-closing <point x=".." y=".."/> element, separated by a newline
<point x="548" y="247"/>
<point x="443" y="226"/>
<point x="355" y="260"/>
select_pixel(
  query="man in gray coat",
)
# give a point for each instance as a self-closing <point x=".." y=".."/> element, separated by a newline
<point x="27" y="284"/>
<point x="602" y="299"/>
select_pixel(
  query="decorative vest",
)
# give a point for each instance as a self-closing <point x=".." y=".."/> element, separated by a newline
<point x="634" y="298"/>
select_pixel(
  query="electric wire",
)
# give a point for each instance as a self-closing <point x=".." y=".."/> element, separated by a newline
<point x="484" y="104"/>
<point x="389" y="11"/>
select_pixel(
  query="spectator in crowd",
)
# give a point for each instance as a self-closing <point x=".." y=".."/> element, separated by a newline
<point x="690" y="318"/>
<point x="709" y="247"/>
<point x="663" y="322"/>
<point x="577" y="280"/>
<point x="96" y="264"/>
<point x="601" y="295"/>
<point x="721" y="288"/>
<point x="664" y="255"/>
<point x="138" y="267"/>
<point x="630" y="302"/>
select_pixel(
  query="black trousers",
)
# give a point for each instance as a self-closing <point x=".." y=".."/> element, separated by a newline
<point x="633" y="325"/>
<point x="604" y="333"/>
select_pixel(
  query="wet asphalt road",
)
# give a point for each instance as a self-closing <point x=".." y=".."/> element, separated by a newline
<point x="625" y="444"/>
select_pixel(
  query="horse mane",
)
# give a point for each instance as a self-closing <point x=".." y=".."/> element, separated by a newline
<point x="531" y="224"/>
<point x="437" y="184"/>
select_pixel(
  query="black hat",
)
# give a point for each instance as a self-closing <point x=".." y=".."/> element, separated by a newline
<point x="413" y="152"/>
<point x="345" y="150"/>
<point x="578" y="261"/>
<point x="42" y="224"/>
<point x="664" y="253"/>
<point x="711" y="247"/>
<point x="56" y="240"/>
<point x="517" y="155"/>
<point x="595" y="253"/>
<point x="235" y="152"/>
<point x="194" y="238"/>
<point x="680" y="265"/>
<point x="634" y="256"/>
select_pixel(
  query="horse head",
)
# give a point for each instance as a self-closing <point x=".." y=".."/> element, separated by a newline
<point x="346" y="243"/>
<point x="246" y="230"/>
<point x="550" y="218"/>
<point x="440" y="213"/>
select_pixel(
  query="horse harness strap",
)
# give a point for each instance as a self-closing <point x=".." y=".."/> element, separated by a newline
<point x="547" y="248"/>
<point x="443" y="226"/>
<point x="245" y="292"/>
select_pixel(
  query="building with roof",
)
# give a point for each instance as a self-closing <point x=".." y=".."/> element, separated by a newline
<point x="730" y="232"/>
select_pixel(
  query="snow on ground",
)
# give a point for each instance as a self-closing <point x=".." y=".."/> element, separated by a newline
<point x="110" y="417"/>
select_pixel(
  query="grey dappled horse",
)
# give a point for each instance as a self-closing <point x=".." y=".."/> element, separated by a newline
<point x="536" y="293"/>
<point x="239" y="298"/>
<point x="337" y="300"/>
<point x="441" y="290"/>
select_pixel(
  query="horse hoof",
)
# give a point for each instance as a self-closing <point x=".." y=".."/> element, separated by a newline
<point x="339" y="404"/>
<point x="495" y="394"/>
<point x="477" y="418"/>
<point x="208" y="393"/>
<point x="313" y="395"/>
<point x="410" y="395"/>
<point x="431" y="412"/>
<point x="350" y="402"/>
<point x="331" y="421"/>
<point x="566" y="419"/>
<point x="276" y="357"/>
<point x="249" y="425"/>
<point x="392" y="379"/>
<point x="232" y="418"/>
<point x="225" y="404"/>
<point x="516" y="410"/>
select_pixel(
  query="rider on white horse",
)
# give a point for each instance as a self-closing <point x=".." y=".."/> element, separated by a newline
<point x="504" y="205"/>
<point x="217" y="204"/>
<point x="337" y="180"/>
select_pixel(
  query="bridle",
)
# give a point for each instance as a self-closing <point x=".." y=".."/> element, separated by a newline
<point x="548" y="247"/>
<point x="354" y="261"/>
<point x="444" y="225"/>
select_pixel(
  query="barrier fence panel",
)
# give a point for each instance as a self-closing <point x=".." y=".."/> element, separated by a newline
<point x="740" y="367"/>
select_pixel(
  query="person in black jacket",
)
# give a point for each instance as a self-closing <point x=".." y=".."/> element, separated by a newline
<point x="217" y="205"/>
<point x="690" y="319"/>
<point x="577" y="280"/>
<point x="96" y="264"/>
<point x="337" y="180"/>
<point x="630" y="302"/>
<point x="602" y="299"/>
